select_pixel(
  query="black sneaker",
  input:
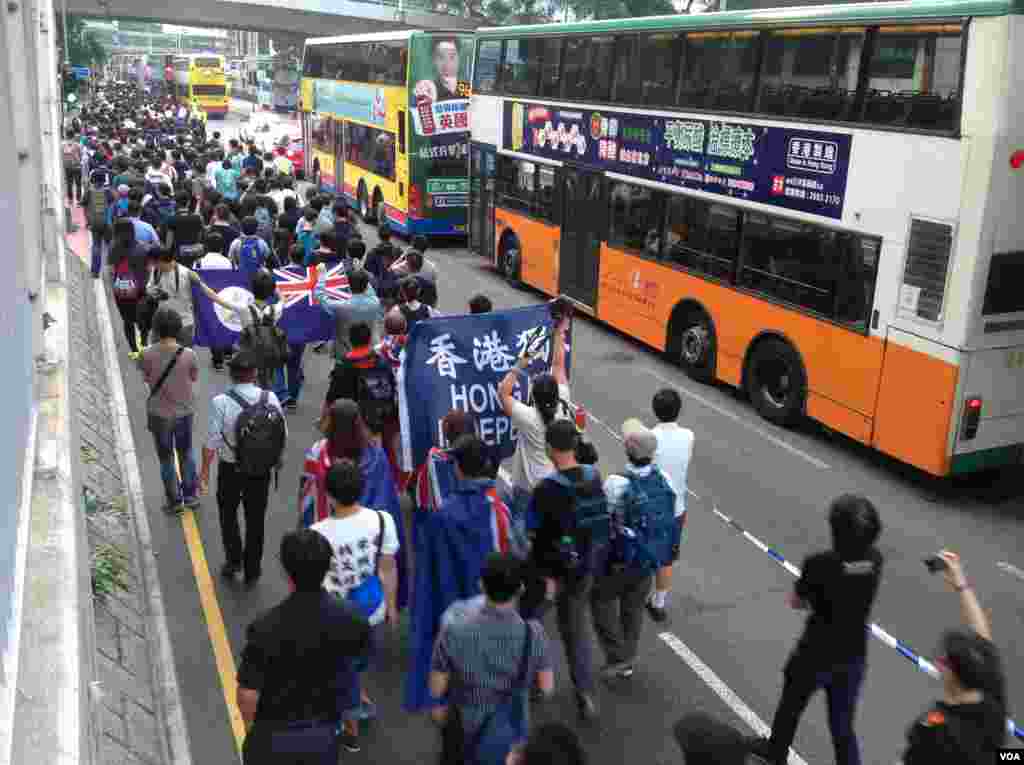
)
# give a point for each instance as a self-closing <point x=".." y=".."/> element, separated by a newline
<point x="658" y="615"/>
<point x="763" y="750"/>
<point x="218" y="367"/>
<point x="291" y="405"/>
<point x="349" y="742"/>
<point x="619" y="670"/>
<point x="320" y="348"/>
<point x="230" y="570"/>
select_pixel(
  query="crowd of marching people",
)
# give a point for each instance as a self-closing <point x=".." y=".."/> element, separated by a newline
<point x="477" y="568"/>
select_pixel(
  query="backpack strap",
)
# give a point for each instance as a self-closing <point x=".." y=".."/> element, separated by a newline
<point x="237" y="397"/>
<point x="380" y="542"/>
<point x="166" y="373"/>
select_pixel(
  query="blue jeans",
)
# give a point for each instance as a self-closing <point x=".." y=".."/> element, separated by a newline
<point x="170" y="437"/>
<point x="290" y="389"/>
<point x="842" y="684"/>
<point x="98" y="250"/>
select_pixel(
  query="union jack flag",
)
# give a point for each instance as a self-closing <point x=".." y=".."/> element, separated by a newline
<point x="295" y="286"/>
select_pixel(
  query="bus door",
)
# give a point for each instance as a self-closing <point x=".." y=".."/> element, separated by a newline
<point x="307" y="144"/>
<point x="481" y="213"/>
<point x="339" y="156"/>
<point x="583" y="206"/>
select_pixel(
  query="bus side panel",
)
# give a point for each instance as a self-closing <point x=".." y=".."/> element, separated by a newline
<point x="843" y="366"/>
<point x="538" y="248"/>
<point x="916" y="401"/>
<point x="996" y="376"/>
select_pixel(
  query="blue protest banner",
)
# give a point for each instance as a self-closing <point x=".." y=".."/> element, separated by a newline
<point x="456" y="362"/>
<point x="303" y="319"/>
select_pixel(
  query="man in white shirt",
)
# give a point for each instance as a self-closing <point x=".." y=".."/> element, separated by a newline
<point x="675" y="450"/>
<point x="156" y="177"/>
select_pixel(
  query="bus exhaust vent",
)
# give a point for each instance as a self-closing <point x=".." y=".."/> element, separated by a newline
<point x="929" y="248"/>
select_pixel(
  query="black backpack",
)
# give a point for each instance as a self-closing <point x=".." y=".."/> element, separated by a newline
<point x="259" y="436"/>
<point x="377" y="395"/>
<point x="265" y="339"/>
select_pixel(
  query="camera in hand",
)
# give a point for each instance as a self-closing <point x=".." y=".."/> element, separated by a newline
<point x="935" y="564"/>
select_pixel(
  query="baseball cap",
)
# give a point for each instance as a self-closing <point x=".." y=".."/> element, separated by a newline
<point x="123" y="190"/>
<point x="640" y="441"/>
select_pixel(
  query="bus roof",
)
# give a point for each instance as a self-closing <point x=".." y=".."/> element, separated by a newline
<point x="404" y="34"/>
<point x="863" y="13"/>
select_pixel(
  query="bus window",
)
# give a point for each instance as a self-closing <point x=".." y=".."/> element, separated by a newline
<point x="545" y="203"/>
<point x="636" y="213"/>
<point x="488" y="59"/>
<point x="811" y="72"/>
<point x="718" y="70"/>
<point x="313" y="64"/>
<point x="701" y="236"/>
<point x="515" y="184"/>
<point x="522" y="66"/>
<point x="856" y="260"/>
<point x="588" y="67"/>
<point x="645" y="69"/>
<point x="551" y="68"/>
<point x="914" y="77"/>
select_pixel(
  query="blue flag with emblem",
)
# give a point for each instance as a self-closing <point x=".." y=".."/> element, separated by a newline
<point x="456" y="362"/>
<point x="303" y="320"/>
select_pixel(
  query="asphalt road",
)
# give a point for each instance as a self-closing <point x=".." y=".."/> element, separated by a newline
<point x="730" y="629"/>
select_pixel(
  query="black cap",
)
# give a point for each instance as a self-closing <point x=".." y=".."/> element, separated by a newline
<point x="243" y="361"/>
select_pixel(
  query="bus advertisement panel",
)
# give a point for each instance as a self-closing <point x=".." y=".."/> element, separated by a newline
<point x="439" y="93"/>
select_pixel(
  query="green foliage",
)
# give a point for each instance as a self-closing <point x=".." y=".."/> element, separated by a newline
<point x="109" y="566"/>
<point x="620" y="9"/>
<point x="84" y="49"/>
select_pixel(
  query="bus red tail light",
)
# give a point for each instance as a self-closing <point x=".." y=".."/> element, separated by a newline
<point x="971" y="418"/>
<point x="415" y="201"/>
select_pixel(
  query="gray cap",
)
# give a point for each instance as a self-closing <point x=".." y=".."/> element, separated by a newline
<point x="639" y="440"/>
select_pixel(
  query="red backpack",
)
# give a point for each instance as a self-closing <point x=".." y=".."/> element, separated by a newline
<point x="126" y="283"/>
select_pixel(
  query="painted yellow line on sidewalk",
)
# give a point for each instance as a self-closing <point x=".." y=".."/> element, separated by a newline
<point x="214" y="620"/>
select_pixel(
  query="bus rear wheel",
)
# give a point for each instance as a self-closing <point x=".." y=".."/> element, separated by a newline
<point x="509" y="259"/>
<point x="776" y="382"/>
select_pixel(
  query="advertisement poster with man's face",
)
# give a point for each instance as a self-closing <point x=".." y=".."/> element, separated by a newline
<point x="439" y="104"/>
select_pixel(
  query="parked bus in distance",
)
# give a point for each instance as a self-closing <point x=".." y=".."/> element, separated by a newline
<point x="818" y="205"/>
<point x="385" y="122"/>
<point x="200" y="80"/>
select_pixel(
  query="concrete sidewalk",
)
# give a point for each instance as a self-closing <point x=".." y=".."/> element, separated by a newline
<point x="138" y="713"/>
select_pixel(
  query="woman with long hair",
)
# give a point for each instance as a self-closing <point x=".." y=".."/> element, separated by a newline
<point x="128" y="276"/>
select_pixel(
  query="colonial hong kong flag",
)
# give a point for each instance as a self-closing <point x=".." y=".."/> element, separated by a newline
<point x="303" y="320"/>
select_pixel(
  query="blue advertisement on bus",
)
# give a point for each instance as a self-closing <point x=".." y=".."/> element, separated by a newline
<point x="796" y="169"/>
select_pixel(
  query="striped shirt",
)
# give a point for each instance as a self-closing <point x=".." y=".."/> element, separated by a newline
<point x="482" y="650"/>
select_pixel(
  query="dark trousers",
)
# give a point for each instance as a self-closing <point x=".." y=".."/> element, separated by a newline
<point x="617" y="602"/>
<point x="253" y="493"/>
<point x="302" y="744"/>
<point x="571" y="605"/>
<point x="218" y="355"/>
<point x="73" y="180"/>
<point x="127" y="311"/>
<point x="842" y="684"/>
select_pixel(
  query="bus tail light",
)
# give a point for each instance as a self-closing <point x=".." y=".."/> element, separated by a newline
<point x="415" y="201"/>
<point x="1017" y="159"/>
<point x="971" y="418"/>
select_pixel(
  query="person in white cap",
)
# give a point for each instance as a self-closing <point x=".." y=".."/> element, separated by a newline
<point x="642" y="504"/>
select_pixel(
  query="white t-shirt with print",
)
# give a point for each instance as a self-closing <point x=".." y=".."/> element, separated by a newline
<point x="530" y="463"/>
<point x="354" y="542"/>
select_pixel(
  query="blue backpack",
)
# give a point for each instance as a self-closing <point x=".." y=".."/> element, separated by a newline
<point x="583" y="549"/>
<point x="643" y="535"/>
<point x="250" y="257"/>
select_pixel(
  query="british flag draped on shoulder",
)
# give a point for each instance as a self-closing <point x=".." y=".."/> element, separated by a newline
<point x="302" y="320"/>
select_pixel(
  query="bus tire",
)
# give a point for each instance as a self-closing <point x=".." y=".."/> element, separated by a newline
<point x="510" y="259"/>
<point x="378" y="206"/>
<point x="364" y="203"/>
<point x="776" y="381"/>
<point x="696" y="347"/>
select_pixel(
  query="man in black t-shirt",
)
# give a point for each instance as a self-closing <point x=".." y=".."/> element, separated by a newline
<point x="555" y="502"/>
<point x="297" y="676"/>
<point x="968" y="724"/>
<point x="185" y="232"/>
<point x="839" y="588"/>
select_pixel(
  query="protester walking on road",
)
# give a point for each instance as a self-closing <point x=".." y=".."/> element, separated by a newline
<point x="451" y="547"/>
<point x="968" y="724"/>
<point x="171" y="371"/>
<point x="363" y="571"/>
<point x="642" y="503"/>
<point x="569" y="546"/>
<point x="129" y="272"/>
<point x="297" y="677"/>
<point x="362" y="306"/>
<point x="675" y="450"/>
<point x="171" y="284"/>
<point x="247" y="433"/>
<point x="484" y="665"/>
<point x="839" y="588"/>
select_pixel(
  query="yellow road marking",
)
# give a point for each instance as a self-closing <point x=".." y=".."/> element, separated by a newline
<point x="214" y="620"/>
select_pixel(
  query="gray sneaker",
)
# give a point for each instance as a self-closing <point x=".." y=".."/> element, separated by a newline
<point x="617" y="670"/>
<point x="587" y="707"/>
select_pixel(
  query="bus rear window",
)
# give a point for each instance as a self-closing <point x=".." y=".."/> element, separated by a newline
<point x="207" y="63"/>
<point x="208" y="90"/>
<point x="1005" y="277"/>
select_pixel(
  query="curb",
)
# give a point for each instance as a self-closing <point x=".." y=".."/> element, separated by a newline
<point x="165" y="680"/>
